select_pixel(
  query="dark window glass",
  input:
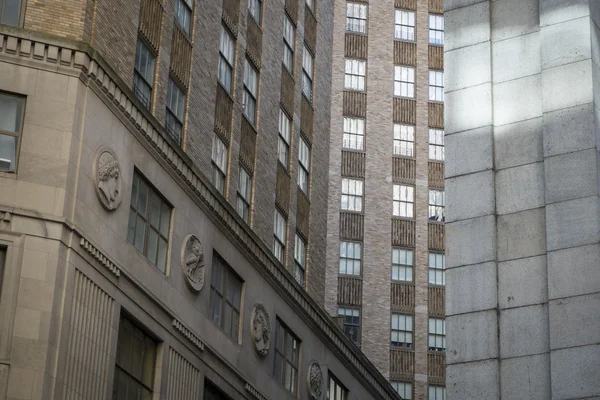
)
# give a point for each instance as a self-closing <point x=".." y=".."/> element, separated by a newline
<point x="225" y="297"/>
<point x="11" y="116"/>
<point x="287" y="353"/>
<point x="10" y="12"/>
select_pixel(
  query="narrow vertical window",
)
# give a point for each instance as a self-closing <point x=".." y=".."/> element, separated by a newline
<point x="352" y="192"/>
<point x="436" y="85"/>
<point x="183" y="14"/>
<point x="307" y="73"/>
<point x="255" y="9"/>
<point x="404" y="25"/>
<point x="250" y="92"/>
<point x="289" y="43"/>
<point x="351" y="323"/>
<point x="436" y="144"/>
<point x="143" y="74"/>
<point x="437" y="334"/>
<point x="299" y="260"/>
<point x="354" y="133"/>
<point x="287" y="355"/>
<point x="175" y="110"/>
<point x="437" y="269"/>
<point x="404" y="81"/>
<point x="402" y="330"/>
<point x="243" y="194"/>
<point x="225" y="297"/>
<point x="356" y="17"/>
<point x="226" y="59"/>
<point x="279" y="236"/>
<point x="437" y="393"/>
<point x="283" y="142"/>
<point x="404" y="140"/>
<point x="404" y="389"/>
<point x="354" y="74"/>
<point x="219" y="163"/>
<point x="303" y="166"/>
<point x="403" y="201"/>
<point x="402" y="265"/>
<point x="11" y="121"/>
<point x="436" y="29"/>
<point x="336" y="391"/>
<point x="437" y="203"/>
<point x="10" y="12"/>
<point x="350" y="258"/>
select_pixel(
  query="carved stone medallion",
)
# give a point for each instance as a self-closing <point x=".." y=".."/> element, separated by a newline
<point x="260" y="328"/>
<point x="315" y="380"/>
<point x="192" y="262"/>
<point x="107" y="178"/>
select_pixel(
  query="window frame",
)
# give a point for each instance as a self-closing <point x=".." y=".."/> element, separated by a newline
<point x="21" y="18"/>
<point x="436" y="146"/>
<point x="398" y="203"/>
<point x="308" y="73"/>
<point x="399" y="266"/>
<point x="171" y="115"/>
<point x="406" y="344"/>
<point x="345" y="258"/>
<point x="436" y="92"/>
<point x="342" y="311"/>
<point x="348" y="134"/>
<point x="435" y="335"/>
<point x="339" y="390"/>
<point x="286" y="361"/>
<point x="279" y="243"/>
<point x="18" y="134"/>
<point x="219" y="171"/>
<point x="288" y="25"/>
<point x="436" y="394"/>
<point x="244" y="199"/>
<point x="437" y="208"/>
<point x="400" y="28"/>
<point x="190" y="12"/>
<point x="351" y="20"/>
<point x="437" y="32"/>
<point x="352" y="73"/>
<point x="304" y="160"/>
<point x="355" y="198"/>
<point x="283" y="142"/>
<point x="407" y="84"/>
<point x="224" y="59"/>
<point x="299" y="260"/>
<point x="256" y="19"/>
<point x="395" y="385"/>
<point x="137" y="75"/>
<point x="436" y="269"/>
<point x="229" y="278"/>
<point x="250" y="94"/>
<point x="402" y="143"/>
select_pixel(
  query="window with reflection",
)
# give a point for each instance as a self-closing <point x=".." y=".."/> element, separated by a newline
<point x="225" y="297"/>
<point x="12" y="109"/>
<point x="287" y="354"/>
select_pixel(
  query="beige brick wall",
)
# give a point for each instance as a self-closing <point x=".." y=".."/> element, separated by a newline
<point x="59" y="17"/>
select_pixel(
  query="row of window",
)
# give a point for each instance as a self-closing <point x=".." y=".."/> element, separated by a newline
<point x="279" y="244"/>
<point x="405" y="390"/>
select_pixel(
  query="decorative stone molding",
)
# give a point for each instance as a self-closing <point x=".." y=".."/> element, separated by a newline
<point x="98" y="255"/>
<point x="107" y="178"/>
<point x="5" y="219"/>
<point x="189" y="335"/>
<point x="315" y="380"/>
<point x="255" y="393"/>
<point x="260" y="329"/>
<point x="192" y="262"/>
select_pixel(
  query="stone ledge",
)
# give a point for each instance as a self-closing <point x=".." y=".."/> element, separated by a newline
<point x="188" y="334"/>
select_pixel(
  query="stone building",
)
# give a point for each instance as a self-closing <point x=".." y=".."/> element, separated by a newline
<point x="385" y="243"/>
<point x="523" y="218"/>
<point x="162" y="203"/>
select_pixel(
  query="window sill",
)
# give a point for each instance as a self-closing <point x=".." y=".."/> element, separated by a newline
<point x="403" y="157"/>
<point x="404" y="97"/>
<point x="365" y="34"/>
<point x="220" y="328"/>
<point x="147" y="261"/>
<point x="436" y="101"/>
<point x="434" y="222"/>
<point x="352" y="212"/>
<point x="399" y="218"/>
<point x="8" y="175"/>
<point x="405" y="40"/>
<point x="354" y="90"/>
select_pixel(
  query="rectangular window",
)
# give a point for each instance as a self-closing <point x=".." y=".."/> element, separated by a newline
<point x="304" y="166"/>
<point x="149" y="221"/>
<point x="352" y="192"/>
<point x="403" y="201"/>
<point x="354" y="76"/>
<point x="287" y="354"/>
<point x="437" y="269"/>
<point x="404" y="25"/>
<point x="289" y="43"/>
<point x="350" y="258"/>
<point x="404" y="81"/>
<point x="2" y="261"/>
<point x="436" y="29"/>
<point x="437" y="203"/>
<point x="436" y="144"/>
<point x="250" y="92"/>
<point x="183" y="14"/>
<point x="307" y="73"/>
<point x="436" y="86"/>
<point x="351" y="323"/>
<point x="402" y="330"/>
<point x="243" y="194"/>
<point x="279" y="236"/>
<point x="226" y="59"/>
<point x="404" y="389"/>
<point x="402" y="265"/>
<point x="255" y="8"/>
<point x="175" y="110"/>
<point x="437" y="393"/>
<point x="225" y="297"/>
<point x="10" y="12"/>
<point x="354" y="133"/>
<point x="299" y="260"/>
<point x="437" y="334"/>
<point x="11" y="122"/>
<point x="356" y="17"/>
<point x="336" y="391"/>
<point x="211" y="392"/>
<point x="404" y="140"/>
<point x="143" y="74"/>
<point x="219" y="163"/>
<point x="136" y="359"/>
<point x="283" y="145"/>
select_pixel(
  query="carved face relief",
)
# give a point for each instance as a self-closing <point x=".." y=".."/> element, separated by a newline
<point x="107" y="175"/>
<point x="315" y="381"/>
<point x="261" y="329"/>
<point x="192" y="262"/>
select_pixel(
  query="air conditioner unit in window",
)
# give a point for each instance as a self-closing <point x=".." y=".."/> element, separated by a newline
<point x="5" y="164"/>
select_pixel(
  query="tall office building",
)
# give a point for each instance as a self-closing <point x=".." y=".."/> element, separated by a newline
<point x="523" y="220"/>
<point x="385" y="242"/>
<point x="163" y="202"/>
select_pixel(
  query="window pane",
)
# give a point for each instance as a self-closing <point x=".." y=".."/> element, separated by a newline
<point x="11" y="112"/>
<point x="8" y="153"/>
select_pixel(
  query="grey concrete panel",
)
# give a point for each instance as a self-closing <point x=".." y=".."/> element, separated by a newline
<point x="519" y="143"/>
<point x="523" y="331"/>
<point x="470" y="24"/>
<point x="595" y="32"/>
<point x="575" y="321"/>
<point x="470" y="196"/>
<point x="521" y="234"/>
<point x="468" y="109"/>
<point x="517" y="57"/>
<point x="471" y="241"/>
<point x="512" y="18"/>
<point x="467" y="66"/>
<point x="572" y="223"/>
<point x="517" y="100"/>
<point x="566" y="42"/>
<point x="522" y="282"/>
<point x="471" y="288"/>
<point x="452" y="4"/>
<point x="555" y="11"/>
<point x="569" y="129"/>
<point x="574" y="271"/>
<point x="477" y="143"/>
<point x="471" y="337"/>
<point x="575" y="372"/>
<point x="478" y="380"/>
<point x="520" y="188"/>
<point x="571" y="176"/>
<point x="526" y="378"/>
<point x="567" y="86"/>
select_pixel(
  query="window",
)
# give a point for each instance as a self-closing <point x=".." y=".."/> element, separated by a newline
<point x="11" y="122"/>
<point x="254" y="8"/>
<point x="404" y="140"/>
<point x="175" y="110"/>
<point x="436" y="86"/>
<point x="287" y="353"/>
<point x="280" y="236"/>
<point x="149" y="221"/>
<point x="307" y="73"/>
<point x="354" y="133"/>
<point x="211" y="392"/>
<point x="283" y="145"/>
<point x="355" y="72"/>
<point x="351" y="323"/>
<point x="250" y="92"/>
<point x="352" y="191"/>
<point x="336" y="391"/>
<point x="437" y="393"/>
<point x="304" y="166"/>
<point x="436" y="29"/>
<point x="404" y="389"/>
<point x="226" y="59"/>
<point x="219" y="163"/>
<point x="10" y="12"/>
<point x="404" y="81"/>
<point x="289" y="43"/>
<point x="2" y="260"/>
<point x="350" y="258"/>
<point x="437" y="269"/>
<point x="143" y="75"/>
<point x="437" y="334"/>
<point x="404" y="25"/>
<point x="404" y="201"/>
<point x="402" y="265"/>
<point x="437" y="201"/>
<point x="402" y="330"/>
<point x="183" y="14"/>
<point x="243" y="194"/>
<point x="436" y="144"/>
<point x="136" y="358"/>
<point x="356" y="17"/>
<point x="299" y="260"/>
<point x="225" y="297"/>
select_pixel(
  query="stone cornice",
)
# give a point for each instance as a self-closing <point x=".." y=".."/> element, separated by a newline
<point x="188" y="334"/>
<point x="99" y="256"/>
<point x="81" y="58"/>
<point x="255" y="393"/>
